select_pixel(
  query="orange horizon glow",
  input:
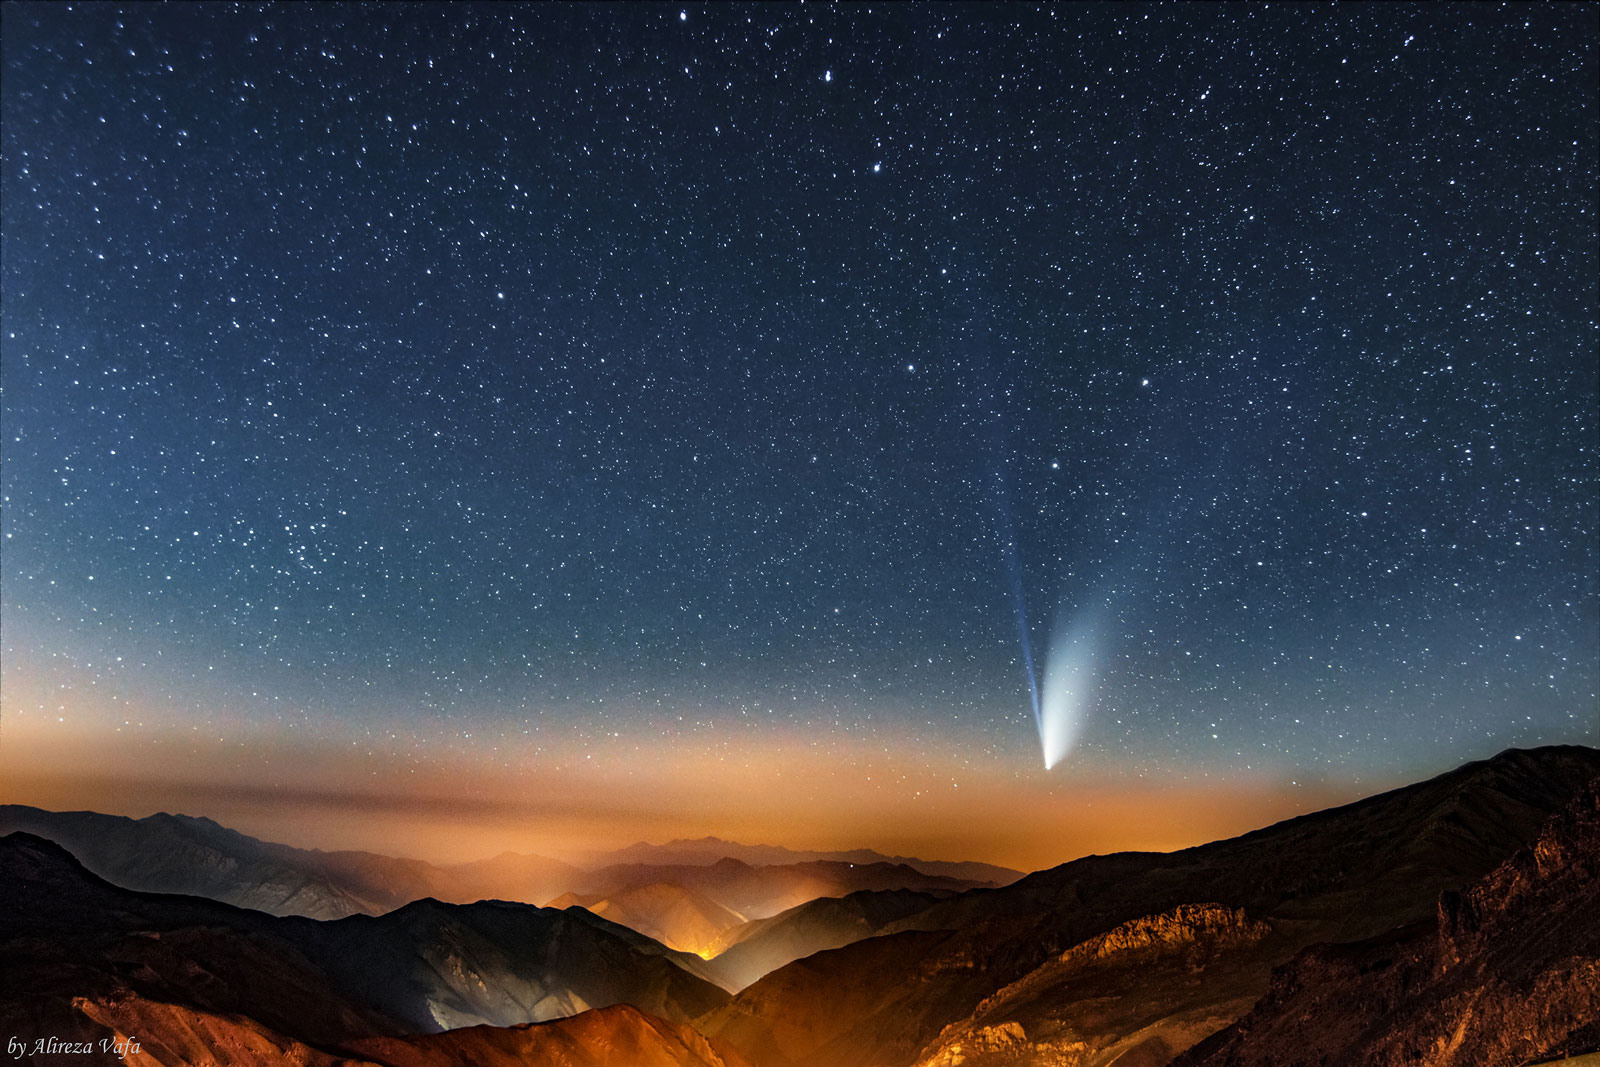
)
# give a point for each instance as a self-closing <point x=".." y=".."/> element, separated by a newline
<point x="456" y="795"/>
<point x="330" y="794"/>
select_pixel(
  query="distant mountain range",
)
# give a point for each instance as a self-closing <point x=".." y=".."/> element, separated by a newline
<point x="1452" y="922"/>
<point x="708" y="850"/>
<point x="687" y="905"/>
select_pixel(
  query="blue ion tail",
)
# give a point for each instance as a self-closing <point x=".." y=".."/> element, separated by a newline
<point x="1027" y="657"/>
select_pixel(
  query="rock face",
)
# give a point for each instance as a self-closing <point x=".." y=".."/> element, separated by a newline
<point x="1505" y="973"/>
<point x="1136" y="993"/>
<point x="1335" y="876"/>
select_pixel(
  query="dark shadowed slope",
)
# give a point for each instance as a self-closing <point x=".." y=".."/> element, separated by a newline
<point x="74" y="950"/>
<point x="70" y="940"/>
<point x="197" y="857"/>
<point x="1504" y="974"/>
<point x="760" y="947"/>
<point x="1341" y="874"/>
<point x="179" y="854"/>
<point x="607" y="1037"/>
<point x="437" y="966"/>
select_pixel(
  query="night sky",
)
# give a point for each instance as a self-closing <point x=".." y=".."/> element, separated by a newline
<point x="630" y="420"/>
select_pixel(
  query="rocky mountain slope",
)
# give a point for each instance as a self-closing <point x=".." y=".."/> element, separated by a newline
<point x="1446" y="923"/>
<point x="1505" y="973"/>
<point x="77" y="951"/>
<point x="607" y="1037"/>
<point x="747" y="952"/>
<point x="1337" y="875"/>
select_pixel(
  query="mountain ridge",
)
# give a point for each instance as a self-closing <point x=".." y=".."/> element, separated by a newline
<point x="1338" y="875"/>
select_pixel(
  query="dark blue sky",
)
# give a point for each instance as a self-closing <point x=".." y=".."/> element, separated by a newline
<point x="651" y="370"/>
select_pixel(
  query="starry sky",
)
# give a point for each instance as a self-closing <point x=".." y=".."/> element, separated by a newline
<point x="445" y="428"/>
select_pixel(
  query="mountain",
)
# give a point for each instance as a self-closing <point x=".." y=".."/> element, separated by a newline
<point x="82" y="959"/>
<point x="677" y="917"/>
<point x="606" y="1037"/>
<point x="436" y="966"/>
<point x="757" y="892"/>
<point x="1450" y="922"/>
<point x="747" y="952"/>
<point x="1136" y="994"/>
<point x="82" y="949"/>
<point x="180" y="854"/>
<point x="196" y="856"/>
<point x="1246" y="904"/>
<point x="704" y="851"/>
<point x="508" y="876"/>
<point x="1505" y="973"/>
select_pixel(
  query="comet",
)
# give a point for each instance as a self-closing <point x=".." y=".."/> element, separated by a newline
<point x="1069" y="677"/>
<point x="1069" y="681"/>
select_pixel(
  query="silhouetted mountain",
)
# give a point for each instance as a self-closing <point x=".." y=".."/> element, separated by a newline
<point x="1505" y="973"/>
<point x="1404" y="928"/>
<point x="182" y="854"/>
<point x="757" y="892"/>
<point x="79" y="951"/>
<point x="437" y="966"/>
<point x="1341" y="874"/>
<point x="747" y="952"/>
<point x="509" y="876"/>
<point x="196" y="856"/>
<point x="73" y="948"/>
<point x="705" y="851"/>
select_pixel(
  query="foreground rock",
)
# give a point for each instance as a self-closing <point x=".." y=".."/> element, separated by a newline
<point x="1507" y="973"/>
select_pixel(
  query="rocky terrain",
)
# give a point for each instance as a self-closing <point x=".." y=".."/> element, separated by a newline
<point x="607" y="1037"/>
<point x="1448" y="923"/>
<point x="1505" y="973"/>
<point x="689" y="905"/>
<point x="80" y="956"/>
<point x="1334" y="876"/>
